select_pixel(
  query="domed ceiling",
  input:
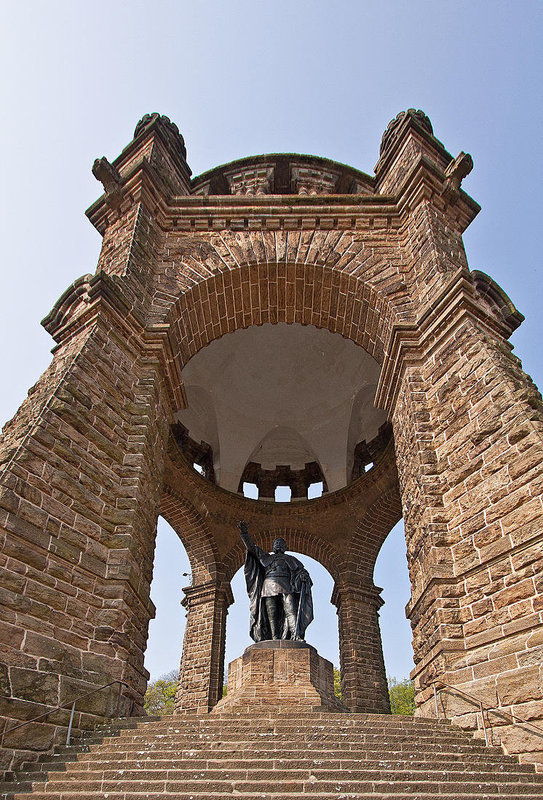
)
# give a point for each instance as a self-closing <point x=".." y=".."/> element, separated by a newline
<point x="281" y="395"/>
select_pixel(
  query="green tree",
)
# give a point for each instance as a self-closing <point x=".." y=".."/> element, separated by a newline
<point x="160" y="694"/>
<point x="337" y="683"/>
<point x="402" y="696"/>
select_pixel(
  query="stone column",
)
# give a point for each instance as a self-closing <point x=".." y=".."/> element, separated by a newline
<point x="363" y="676"/>
<point x="201" y="674"/>
<point x="468" y="426"/>
<point x="80" y="485"/>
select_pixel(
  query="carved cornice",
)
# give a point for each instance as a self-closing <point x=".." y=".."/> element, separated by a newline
<point x="282" y="212"/>
<point x="366" y="594"/>
<point x="291" y="212"/>
<point x="207" y="593"/>
<point x="410" y="344"/>
<point x="425" y="181"/>
<point x="93" y="296"/>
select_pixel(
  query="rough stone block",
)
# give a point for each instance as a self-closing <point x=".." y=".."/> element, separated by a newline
<point x="37" y="687"/>
<point x="520" y="685"/>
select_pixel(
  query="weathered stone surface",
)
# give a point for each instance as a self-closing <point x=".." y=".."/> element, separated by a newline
<point x="35" y="686"/>
<point x="520" y="685"/>
<point x="36" y="736"/>
<point x="273" y="675"/>
<point x="4" y="681"/>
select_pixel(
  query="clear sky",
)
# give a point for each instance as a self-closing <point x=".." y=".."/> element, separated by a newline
<point x="241" y="77"/>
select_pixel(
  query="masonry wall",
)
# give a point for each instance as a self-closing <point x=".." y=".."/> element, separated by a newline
<point x="80" y="488"/>
<point x="486" y="422"/>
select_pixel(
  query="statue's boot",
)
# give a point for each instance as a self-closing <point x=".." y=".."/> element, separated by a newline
<point x="273" y="609"/>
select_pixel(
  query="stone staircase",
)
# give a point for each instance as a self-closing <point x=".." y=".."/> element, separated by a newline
<point x="277" y="756"/>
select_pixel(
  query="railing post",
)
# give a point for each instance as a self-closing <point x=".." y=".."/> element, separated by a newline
<point x="435" y="702"/>
<point x="119" y="700"/>
<point x="70" y="723"/>
<point x="483" y="721"/>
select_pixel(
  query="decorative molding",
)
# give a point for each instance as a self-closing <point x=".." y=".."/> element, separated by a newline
<point x="409" y="344"/>
<point x="367" y="594"/>
<point x="84" y="302"/>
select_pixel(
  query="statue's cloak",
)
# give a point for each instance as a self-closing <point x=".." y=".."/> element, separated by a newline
<point x="255" y="570"/>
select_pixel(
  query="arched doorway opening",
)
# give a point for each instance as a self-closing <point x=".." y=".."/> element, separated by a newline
<point x="391" y="574"/>
<point x="323" y="631"/>
<point x="287" y="411"/>
<point x="171" y="572"/>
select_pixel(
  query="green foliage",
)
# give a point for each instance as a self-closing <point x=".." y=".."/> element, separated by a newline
<point x="160" y="694"/>
<point x="337" y="683"/>
<point x="402" y="696"/>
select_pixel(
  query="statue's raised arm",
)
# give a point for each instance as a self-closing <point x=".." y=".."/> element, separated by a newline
<point x="246" y="536"/>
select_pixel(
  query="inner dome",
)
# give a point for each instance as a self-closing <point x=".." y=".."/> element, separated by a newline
<point x="282" y="404"/>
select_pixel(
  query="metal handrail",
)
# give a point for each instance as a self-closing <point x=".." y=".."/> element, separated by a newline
<point x="489" y="709"/>
<point x="66" y="706"/>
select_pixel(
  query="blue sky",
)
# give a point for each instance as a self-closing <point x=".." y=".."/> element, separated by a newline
<point x="244" y="77"/>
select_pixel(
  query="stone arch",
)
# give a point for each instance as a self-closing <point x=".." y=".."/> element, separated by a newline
<point x="194" y="534"/>
<point x="306" y="293"/>
<point x="83" y="481"/>
<point x="297" y="539"/>
<point x="370" y="534"/>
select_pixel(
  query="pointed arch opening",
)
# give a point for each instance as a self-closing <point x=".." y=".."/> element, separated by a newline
<point x="391" y="574"/>
<point x="323" y="631"/>
<point x="171" y="573"/>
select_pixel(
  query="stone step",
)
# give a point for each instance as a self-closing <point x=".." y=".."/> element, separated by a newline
<point x="278" y="719"/>
<point x="274" y="746"/>
<point x="284" y="726"/>
<point x="267" y="731"/>
<point x="453" y="762"/>
<point x="172" y="787"/>
<point x="108" y="780"/>
<point x="421" y="793"/>
<point x="301" y="719"/>
<point x="288" y="745"/>
<point x="270" y="756"/>
<point x="248" y="734"/>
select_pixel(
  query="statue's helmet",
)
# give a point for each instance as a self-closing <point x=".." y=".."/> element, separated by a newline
<point x="279" y="545"/>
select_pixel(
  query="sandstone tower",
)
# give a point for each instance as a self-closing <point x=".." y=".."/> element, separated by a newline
<point x="392" y="383"/>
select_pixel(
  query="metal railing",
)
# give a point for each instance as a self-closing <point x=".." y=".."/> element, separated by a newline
<point x="65" y="707"/>
<point x="482" y="708"/>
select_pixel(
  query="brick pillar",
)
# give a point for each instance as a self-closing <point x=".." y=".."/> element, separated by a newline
<point x="468" y="427"/>
<point x="79" y="490"/>
<point x="201" y="674"/>
<point x="363" y="676"/>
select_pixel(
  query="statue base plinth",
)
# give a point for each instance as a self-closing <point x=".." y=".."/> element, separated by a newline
<point x="280" y="675"/>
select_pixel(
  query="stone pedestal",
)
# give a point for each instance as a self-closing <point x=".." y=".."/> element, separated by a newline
<point x="280" y="675"/>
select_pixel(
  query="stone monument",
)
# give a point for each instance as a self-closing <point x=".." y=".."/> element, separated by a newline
<point x="281" y="320"/>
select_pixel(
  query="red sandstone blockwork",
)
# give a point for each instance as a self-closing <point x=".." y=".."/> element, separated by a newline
<point x="89" y="461"/>
<point x="279" y="678"/>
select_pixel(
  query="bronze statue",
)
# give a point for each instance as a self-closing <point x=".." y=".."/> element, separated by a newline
<point x="279" y="590"/>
